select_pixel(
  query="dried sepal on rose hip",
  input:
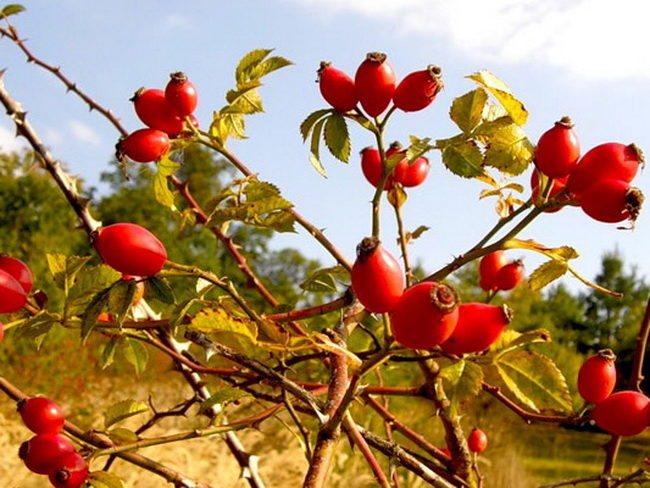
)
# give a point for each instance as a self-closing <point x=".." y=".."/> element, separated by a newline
<point x="558" y="150"/>
<point x="426" y="315"/>
<point x="418" y="89"/>
<point x="181" y="94"/>
<point x="377" y="278"/>
<point x="336" y="87"/>
<point x="374" y="83"/>
<point x="597" y="376"/>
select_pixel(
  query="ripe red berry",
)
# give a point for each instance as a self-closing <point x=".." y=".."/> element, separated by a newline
<point x="144" y="145"/>
<point x="41" y="415"/>
<point x="597" y="376"/>
<point x="152" y="109"/>
<point x="609" y="160"/>
<point x="557" y="186"/>
<point x="488" y="269"/>
<point x="371" y="165"/>
<point x="426" y="315"/>
<point x="12" y="294"/>
<point x="181" y="95"/>
<point x="418" y="89"/>
<point x="337" y="87"/>
<point x="477" y="440"/>
<point x="479" y="326"/>
<point x="130" y="249"/>
<point x="510" y="275"/>
<point x="558" y="150"/>
<point x="623" y="413"/>
<point x="19" y="270"/>
<point x="610" y="201"/>
<point x="410" y="175"/>
<point x="40" y="453"/>
<point x="105" y="317"/>
<point x="374" y="83"/>
<point x="377" y="279"/>
<point x="70" y="471"/>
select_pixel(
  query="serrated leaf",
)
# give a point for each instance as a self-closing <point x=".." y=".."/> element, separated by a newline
<point x="90" y="315"/>
<point x="248" y="62"/>
<point x="511" y="339"/>
<point x="515" y="108"/>
<point x="242" y="89"/>
<point x="120" y="436"/>
<point x="547" y="273"/>
<point x="337" y="137"/>
<point x="467" y="110"/>
<point x="418" y="147"/>
<point x="248" y="103"/>
<point x="120" y="298"/>
<point x="104" y="479"/>
<point x="308" y="124"/>
<point x="534" y="380"/>
<point x="12" y="9"/>
<point x="221" y="397"/>
<point x="160" y="289"/>
<point x="136" y="353"/>
<point x="326" y="280"/>
<point x="90" y="281"/>
<point x="123" y="410"/>
<point x="464" y="159"/>
<point x="35" y="326"/>
<point x="562" y="253"/>
<point x="509" y="150"/>
<point x="108" y="353"/>
<point x="64" y="269"/>
<point x="462" y="383"/>
<point x="218" y="321"/>
<point x="268" y="66"/>
<point x="162" y="192"/>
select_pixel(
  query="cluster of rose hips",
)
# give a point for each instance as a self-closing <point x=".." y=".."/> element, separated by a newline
<point x="427" y="314"/>
<point x="407" y="175"/>
<point x="599" y="181"/>
<point x="16" y="281"/>
<point x="624" y="413"/>
<point x="48" y="452"/>
<point x="496" y="273"/>
<point x="166" y="114"/>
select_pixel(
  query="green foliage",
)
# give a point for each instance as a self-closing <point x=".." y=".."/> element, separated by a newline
<point x="462" y="381"/>
<point x="123" y="410"/>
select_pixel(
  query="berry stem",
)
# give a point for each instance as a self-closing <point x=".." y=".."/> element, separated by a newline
<point x="408" y="274"/>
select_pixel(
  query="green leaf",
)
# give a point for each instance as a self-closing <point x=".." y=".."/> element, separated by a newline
<point x="90" y="281"/>
<point x="90" y="315"/>
<point x="467" y="110"/>
<point x="462" y="383"/>
<point x="242" y="89"/>
<point x="464" y="159"/>
<point x="136" y="353"/>
<point x="248" y="62"/>
<point x="248" y="103"/>
<point x="121" y="436"/>
<point x="418" y="147"/>
<point x="35" y="326"/>
<point x="314" y="159"/>
<point x="502" y="93"/>
<point x="534" y="380"/>
<point x="104" y="479"/>
<point x="326" y="280"/>
<point x="308" y="124"/>
<point x="164" y="195"/>
<point x="411" y="236"/>
<point x="509" y="150"/>
<point x="123" y="410"/>
<point x="64" y="269"/>
<point x="511" y="339"/>
<point x="224" y="396"/>
<point x="219" y="322"/>
<point x="268" y="66"/>
<point x="160" y="289"/>
<point x="120" y="299"/>
<point x="180" y="312"/>
<point x="547" y="273"/>
<point x="337" y="137"/>
<point x="108" y="353"/>
<point x="12" y="9"/>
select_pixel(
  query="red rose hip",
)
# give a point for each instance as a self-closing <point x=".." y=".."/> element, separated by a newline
<point x="374" y="83"/>
<point x="130" y="249"/>
<point x="488" y="268"/>
<point x="479" y="326"/>
<point x="477" y="440"/>
<point x="40" y="453"/>
<point x="181" y="95"/>
<point x="70" y="471"/>
<point x="12" y="294"/>
<point x="611" y="201"/>
<point x="152" y="109"/>
<point x="19" y="270"/>
<point x="377" y="279"/>
<point x="510" y="276"/>
<point x="144" y="145"/>
<point x="337" y="87"/>
<point x="623" y="413"/>
<point x="411" y="175"/>
<point x="558" y="150"/>
<point x="426" y="315"/>
<point x="597" y="376"/>
<point x="41" y="415"/>
<point x="418" y="89"/>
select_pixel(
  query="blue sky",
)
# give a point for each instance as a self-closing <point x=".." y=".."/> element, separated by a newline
<point x="585" y="59"/>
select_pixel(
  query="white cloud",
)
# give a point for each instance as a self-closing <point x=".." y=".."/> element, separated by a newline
<point x="594" y="39"/>
<point x="9" y="142"/>
<point x="178" y="22"/>
<point x="52" y="136"/>
<point x="84" y="133"/>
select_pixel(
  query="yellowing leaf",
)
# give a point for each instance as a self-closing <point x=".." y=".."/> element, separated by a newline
<point x="462" y="383"/>
<point x="534" y="380"/>
<point x="509" y="150"/>
<point x="104" y="479"/>
<point x="467" y="110"/>
<point x="547" y="273"/>
<point x="464" y="159"/>
<point x="326" y="280"/>
<point x="503" y="94"/>
<point x="123" y="410"/>
<point x="218" y="321"/>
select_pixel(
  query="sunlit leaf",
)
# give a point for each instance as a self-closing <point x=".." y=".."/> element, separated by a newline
<point x="308" y="124"/>
<point x="160" y="289"/>
<point x="547" y="273"/>
<point x="462" y="383"/>
<point x="123" y="410"/>
<point x="120" y="435"/>
<point x="12" y="9"/>
<point x="326" y="280"/>
<point x="337" y="137"/>
<point x="120" y="299"/>
<point x="503" y="94"/>
<point x="218" y="321"/>
<point x="94" y="308"/>
<point x="136" y="353"/>
<point x="104" y="479"/>
<point x="467" y="110"/>
<point x="464" y="159"/>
